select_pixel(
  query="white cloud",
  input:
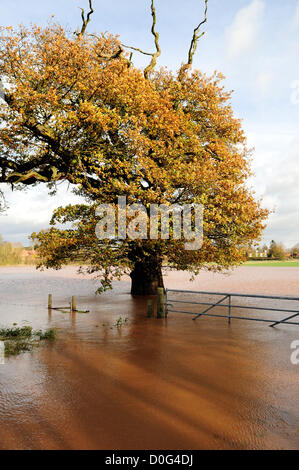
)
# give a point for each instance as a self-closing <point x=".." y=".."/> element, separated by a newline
<point x="31" y="211"/>
<point x="243" y="32"/>
<point x="296" y="18"/>
<point x="276" y="180"/>
<point x="263" y="83"/>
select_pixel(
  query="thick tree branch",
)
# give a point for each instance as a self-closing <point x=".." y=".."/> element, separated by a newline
<point x="37" y="169"/>
<point x="155" y="56"/>
<point x="86" y="20"/>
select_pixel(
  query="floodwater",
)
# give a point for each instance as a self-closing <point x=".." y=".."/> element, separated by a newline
<point x="148" y="384"/>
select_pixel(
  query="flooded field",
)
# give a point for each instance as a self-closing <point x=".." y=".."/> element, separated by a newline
<point x="148" y="384"/>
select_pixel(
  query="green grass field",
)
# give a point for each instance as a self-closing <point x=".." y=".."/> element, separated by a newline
<point x="274" y="264"/>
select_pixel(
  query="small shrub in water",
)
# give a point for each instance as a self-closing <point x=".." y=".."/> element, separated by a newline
<point x="49" y="334"/>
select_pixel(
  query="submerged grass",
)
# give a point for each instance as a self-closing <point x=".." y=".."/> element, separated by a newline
<point x="17" y="340"/>
<point x="9" y="333"/>
<point x="15" y="347"/>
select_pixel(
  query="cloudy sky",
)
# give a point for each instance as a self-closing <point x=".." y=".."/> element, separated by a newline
<point x="255" y="43"/>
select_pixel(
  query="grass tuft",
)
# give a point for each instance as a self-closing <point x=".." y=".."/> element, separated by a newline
<point x="17" y="340"/>
<point x="8" y="333"/>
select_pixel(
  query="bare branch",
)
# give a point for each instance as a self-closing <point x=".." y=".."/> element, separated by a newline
<point x="197" y="36"/>
<point x="155" y="56"/>
<point x="193" y="46"/>
<point x="138" y="50"/>
<point x="2" y="94"/>
<point x="86" y="20"/>
<point x="130" y="62"/>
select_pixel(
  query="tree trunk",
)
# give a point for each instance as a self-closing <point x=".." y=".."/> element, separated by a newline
<point x="146" y="277"/>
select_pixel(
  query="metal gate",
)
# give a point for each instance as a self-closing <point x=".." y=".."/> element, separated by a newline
<point x="230" y="305"/>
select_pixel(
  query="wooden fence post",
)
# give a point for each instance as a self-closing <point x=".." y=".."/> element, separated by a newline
<point x="50" y="301"/>
<point x="160" y="303"/>
<point x="74" y="304"/>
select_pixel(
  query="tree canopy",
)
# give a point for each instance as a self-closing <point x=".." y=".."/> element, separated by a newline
<point x="77" y="109"/>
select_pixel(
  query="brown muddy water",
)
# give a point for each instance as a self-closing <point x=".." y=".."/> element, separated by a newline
<point x="149" y="384"/>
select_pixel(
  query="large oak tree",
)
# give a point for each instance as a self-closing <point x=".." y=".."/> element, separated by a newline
<point x="77" y="109"/>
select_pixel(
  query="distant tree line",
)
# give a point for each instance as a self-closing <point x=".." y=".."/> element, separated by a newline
<point x="15" y="254"/>
<point x="273" y="251"/>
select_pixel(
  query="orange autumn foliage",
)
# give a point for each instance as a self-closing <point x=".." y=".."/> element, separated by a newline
<point x="76" y="109"/>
